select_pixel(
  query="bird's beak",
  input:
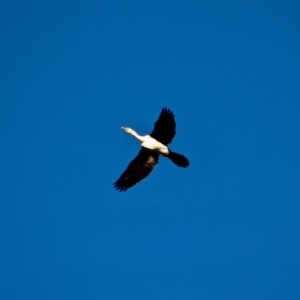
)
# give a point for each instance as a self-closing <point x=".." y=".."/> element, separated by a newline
<point x="123" y="127"/>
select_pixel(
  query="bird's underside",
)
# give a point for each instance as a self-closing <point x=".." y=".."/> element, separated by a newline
<point x="142" y="165"/>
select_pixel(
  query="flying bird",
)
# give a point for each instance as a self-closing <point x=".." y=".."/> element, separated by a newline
<point x="153" y="145"/>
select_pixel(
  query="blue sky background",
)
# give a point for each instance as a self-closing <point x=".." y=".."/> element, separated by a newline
<point x="73" y="72"/>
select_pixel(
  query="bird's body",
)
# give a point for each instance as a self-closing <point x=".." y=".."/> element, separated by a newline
<point x="149" y="142"/>
<point x="153" y="145"/>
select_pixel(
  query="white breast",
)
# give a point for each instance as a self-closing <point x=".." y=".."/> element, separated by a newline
<point x="152" y="144"/>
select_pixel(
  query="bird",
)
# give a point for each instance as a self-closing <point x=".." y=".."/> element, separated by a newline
<point x="153" y="145"/>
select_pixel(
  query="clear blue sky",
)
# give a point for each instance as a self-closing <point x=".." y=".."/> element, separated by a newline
<point x="74" y="72"/>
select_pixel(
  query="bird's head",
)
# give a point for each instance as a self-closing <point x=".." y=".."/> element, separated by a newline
<point x="127" y="129"/>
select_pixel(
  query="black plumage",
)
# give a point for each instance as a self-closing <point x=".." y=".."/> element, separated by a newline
<point x="165" y="127"/>
<point x="138" y="169"/>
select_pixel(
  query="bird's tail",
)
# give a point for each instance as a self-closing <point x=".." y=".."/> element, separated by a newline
<point x="178" y="159"/>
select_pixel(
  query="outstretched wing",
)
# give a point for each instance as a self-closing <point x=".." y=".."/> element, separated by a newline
<point x="165" y="127"/>
<point x="138" y="169"/>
